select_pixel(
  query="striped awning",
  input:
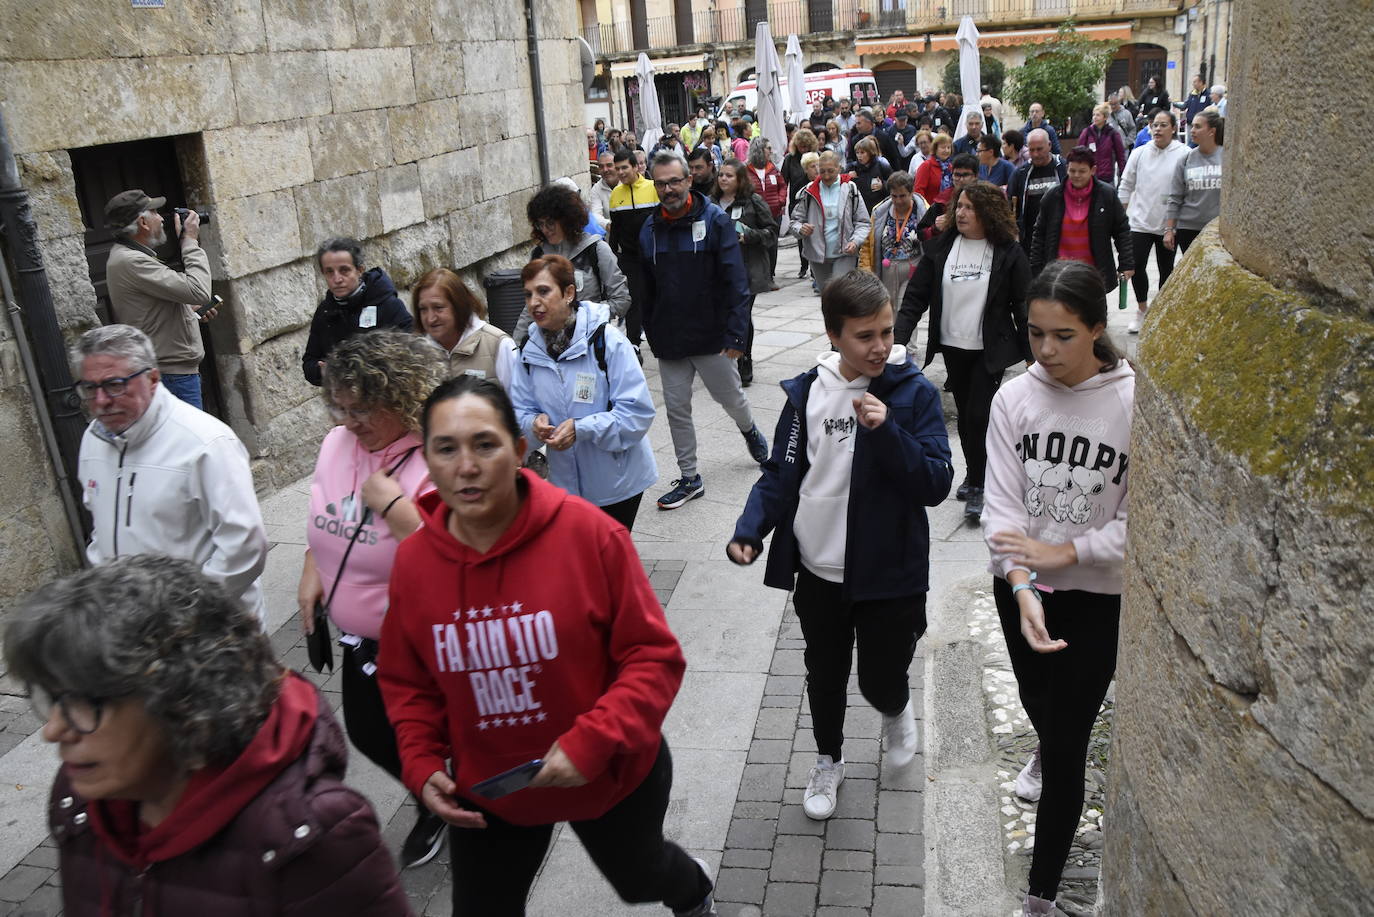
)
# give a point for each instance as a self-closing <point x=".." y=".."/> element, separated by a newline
<point x="915" y="44"/>
<point x="686" y="64"/>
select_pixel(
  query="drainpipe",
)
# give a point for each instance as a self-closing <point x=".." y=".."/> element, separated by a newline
<point x="537" y="88"/>
<point x="44" y="358"/>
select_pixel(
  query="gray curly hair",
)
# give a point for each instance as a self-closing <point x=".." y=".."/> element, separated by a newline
<point x="391" y="370"/>
<point x="158" y="629"/>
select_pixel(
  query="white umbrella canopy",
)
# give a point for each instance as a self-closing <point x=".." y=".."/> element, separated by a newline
<point x="796" y="80"/>
<point x="769" y="108"/>
<point x="650" y="118"/>
<point x="970" y="82"/>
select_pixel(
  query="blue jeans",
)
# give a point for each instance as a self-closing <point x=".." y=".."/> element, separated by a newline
<point x="185" y="386"/>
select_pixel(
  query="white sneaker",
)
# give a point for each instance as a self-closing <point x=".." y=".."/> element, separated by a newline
<point x="1028" y="782"/>
<point x="901" y="737"/>
<point x="1134" y="326"/>
<point x="822" y="788"/>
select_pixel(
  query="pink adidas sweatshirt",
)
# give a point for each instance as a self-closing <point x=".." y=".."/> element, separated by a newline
<point x="1057" y="471"/>
<point x="336" y="506"/>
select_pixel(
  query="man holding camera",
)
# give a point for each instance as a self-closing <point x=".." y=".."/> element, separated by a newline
<point x="150" y="296"/>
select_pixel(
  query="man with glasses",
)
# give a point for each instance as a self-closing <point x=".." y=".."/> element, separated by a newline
<point x="159" y="476"/>
<point x="151" y="296"/>
<point x="696" y="314"/>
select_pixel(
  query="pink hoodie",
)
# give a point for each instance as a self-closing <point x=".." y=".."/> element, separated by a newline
<point x="1057" y="463"/>
<point x="361" y="600"/>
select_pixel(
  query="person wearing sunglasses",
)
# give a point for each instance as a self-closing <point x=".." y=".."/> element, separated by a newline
<point x="198" y="776"/>
<point x="159" y="476"/>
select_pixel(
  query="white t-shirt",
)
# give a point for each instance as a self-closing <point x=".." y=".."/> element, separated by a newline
<point x="965" y="293"/>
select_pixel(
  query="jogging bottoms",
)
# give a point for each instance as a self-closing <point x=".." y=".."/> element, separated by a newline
<point x="494" y="867"/>
<point x="886" y="631"/>
<point x="1062" y="693"/>
<point x="720" y="375"/>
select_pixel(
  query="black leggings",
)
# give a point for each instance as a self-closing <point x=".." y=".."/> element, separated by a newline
<point x="973" y="388"/>
<point x="625" y="511"/>
<point x="494" y="867"/>
<point x="886" y="631"/>
<point x="1141" y="243"/>
<point x="365" y="717"/>
<point x="1185" y="237"/>
<point x="1062" y="693"/>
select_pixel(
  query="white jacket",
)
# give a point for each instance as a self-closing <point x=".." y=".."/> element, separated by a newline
<point x="176" y="482"/>
<point x="1144" y="189"/>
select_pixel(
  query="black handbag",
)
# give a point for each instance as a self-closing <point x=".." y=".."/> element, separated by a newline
<point x="319" y="644"/>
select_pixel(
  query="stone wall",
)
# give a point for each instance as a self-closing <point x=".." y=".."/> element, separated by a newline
<point x="1243" y="748"/>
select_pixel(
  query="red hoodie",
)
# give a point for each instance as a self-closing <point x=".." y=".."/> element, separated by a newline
<point x="553" y="634"/>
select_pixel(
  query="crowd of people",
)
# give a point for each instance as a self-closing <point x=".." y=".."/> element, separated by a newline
<point x="464" y="458"/>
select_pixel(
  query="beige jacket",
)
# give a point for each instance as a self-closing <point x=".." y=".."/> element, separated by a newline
<point x="152" y="297"/>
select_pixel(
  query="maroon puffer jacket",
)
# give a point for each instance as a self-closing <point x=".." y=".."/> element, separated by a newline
<point x="306" y="845"/>
<point x="772" y="188"/>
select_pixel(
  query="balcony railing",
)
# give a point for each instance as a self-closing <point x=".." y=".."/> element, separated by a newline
<point x="812" y="17"/>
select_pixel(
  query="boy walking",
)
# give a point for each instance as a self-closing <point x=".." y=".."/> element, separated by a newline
<point x="860" y="451"/>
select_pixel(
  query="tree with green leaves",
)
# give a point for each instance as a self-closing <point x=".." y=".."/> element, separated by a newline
<point x="992" y="73"/>
<point x="1061" y="75"/>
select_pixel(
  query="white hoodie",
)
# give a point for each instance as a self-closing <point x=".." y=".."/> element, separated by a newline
<point x="822" y="521"/>
<point x="1145" y="185"/>
<point x="1057" y="471"/>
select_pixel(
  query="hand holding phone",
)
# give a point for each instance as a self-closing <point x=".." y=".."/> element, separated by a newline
<point x="507" y="782"/>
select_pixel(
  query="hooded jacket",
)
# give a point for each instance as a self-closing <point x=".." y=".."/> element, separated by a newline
<point x="854" y="220"/>
<point x="1004" y="315"/>
<point x="760" y="235"/>
<point x="376" y="307"/>
<point x="1109" y="149"/>
<point x="1057" y="471"/>
<point x="611" y="459"/>
<point x="1145" y="185"/>
<point x="1107" y="224"/>
<point x="697" y="288"/>
<point x="899" y="469"/>
<point x="554" y="634"/>
<point x="596" y="274"/>
<point x="276" y="832"/>
<point x="176" y="482"/>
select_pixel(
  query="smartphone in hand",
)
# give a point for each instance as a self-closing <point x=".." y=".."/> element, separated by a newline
<point x="507" y="782"/>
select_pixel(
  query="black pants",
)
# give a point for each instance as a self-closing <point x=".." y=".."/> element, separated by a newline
<point x="494" y="867"/>
<point x="773" y="258"/>
<point x="973" y="387"/>
<point x="749" y="331"/>
<point x="1141" y="244"/>
<point x="365" y="717"/>
<point x="1185" y="237"/>
<point x="1062" y="693"/>
<point x="886" y="631"/>
<point x="625" y="511"/>
<point x="633" y="269"/>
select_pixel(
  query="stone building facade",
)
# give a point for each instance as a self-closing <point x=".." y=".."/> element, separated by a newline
<point x="1242" y="774"/>
<point x="408" y="124"/>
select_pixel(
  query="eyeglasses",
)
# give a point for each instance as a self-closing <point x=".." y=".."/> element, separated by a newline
<point x="111" y="387"/>
<point x="670" y="183"/>
<point x="341" y="415"/>
<point x="82" y="714"/>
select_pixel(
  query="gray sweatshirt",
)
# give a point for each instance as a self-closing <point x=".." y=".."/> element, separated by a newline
<point x="605" y="283"/>
<point x="1195" y="197"/>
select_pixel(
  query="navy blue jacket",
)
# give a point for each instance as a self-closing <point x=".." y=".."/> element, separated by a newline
<point x="899" y="469"/>
<point x="335" y="321"/>
<point x="697" y="290"/>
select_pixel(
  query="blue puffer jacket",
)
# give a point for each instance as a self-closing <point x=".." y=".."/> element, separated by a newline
<point x="697" y="296"/>
<point x="899" y="469"/>
<point x="611" y="460"/>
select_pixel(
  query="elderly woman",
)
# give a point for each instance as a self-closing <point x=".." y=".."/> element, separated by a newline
<point x="564" y="676"/>
<point x="794" y="173"/>
<point x="770" y="185"/>
<point x="895" y="241"/>
<point x="831" y="222"/>
<point x="362" y="504"/>
<point x="1105" y="142"/>
<point x="934" y="179"/>
<point x="579" y="390"/>
<point x="758" y="238"/>
<point x="870" y="172"/>
<point x="557" y="218"/>
<point x="198" y="776"/>
<point x="454" y="319"/>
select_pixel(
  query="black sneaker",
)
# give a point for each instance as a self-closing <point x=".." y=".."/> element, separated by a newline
<point x="962" y="492"/>
<point x="758" y="446"/>
<point x="684" y="489"/>
<point x="746" y="372"/>
<point x="973" y="509"/>
<point x="424" y="840"/>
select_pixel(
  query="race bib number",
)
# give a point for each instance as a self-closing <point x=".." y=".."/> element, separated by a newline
<point x="579" y="278"/>
<point x="583" y="386"/>
<point x="475" y="373"/>
<point x="368" y="317"/>
<point x="699" y="231"/>
<point x="1093" y="146"/>
<point x="735" y="212"/>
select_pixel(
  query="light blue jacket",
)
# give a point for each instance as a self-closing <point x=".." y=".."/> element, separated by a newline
<point x="611" y="460"/>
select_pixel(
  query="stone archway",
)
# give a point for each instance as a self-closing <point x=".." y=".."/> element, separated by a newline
<point x="821" y="67"/>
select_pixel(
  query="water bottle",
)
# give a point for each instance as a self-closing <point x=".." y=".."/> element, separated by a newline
<point x="1121" y="292"/>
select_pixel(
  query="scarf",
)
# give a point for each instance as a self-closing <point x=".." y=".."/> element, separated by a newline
<point x="1077" y="201"/>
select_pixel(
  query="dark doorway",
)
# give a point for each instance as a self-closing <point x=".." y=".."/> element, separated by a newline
<point x="682" y="17"/>
<point x="1133" y="66"/>
<point x="755" y="11"/>
<point x="103" y="171"/>
<point x="821" y="14"/>
<point x="895" y="75"/>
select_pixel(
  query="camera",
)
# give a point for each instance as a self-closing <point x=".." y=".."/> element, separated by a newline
<point x="184" y="213"/>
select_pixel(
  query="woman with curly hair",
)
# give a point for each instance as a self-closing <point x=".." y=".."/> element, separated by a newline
<point x="362" y="504"/>
<point x="198" y="776"/>
<point x="973" y="279"/>
<point x="455" y="320"/>
<point x="558" y="220"/>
